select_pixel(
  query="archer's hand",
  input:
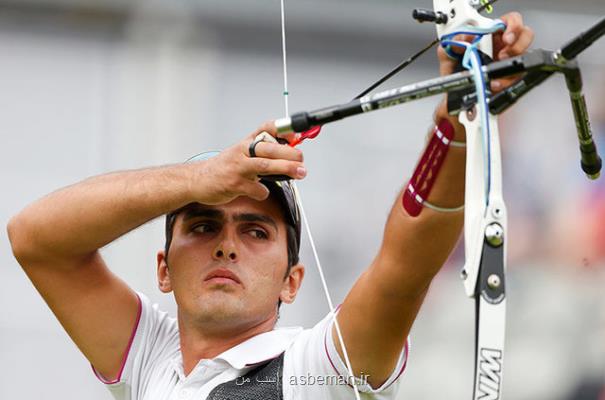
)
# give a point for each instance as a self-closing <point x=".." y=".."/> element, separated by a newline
<point x="514" y="41"/>
<point x="233" y="173"/>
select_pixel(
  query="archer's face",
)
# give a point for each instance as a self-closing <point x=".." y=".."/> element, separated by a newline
<point x="227" y="263"/>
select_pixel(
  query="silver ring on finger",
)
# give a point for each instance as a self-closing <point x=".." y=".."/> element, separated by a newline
<point x="261" y="137"/>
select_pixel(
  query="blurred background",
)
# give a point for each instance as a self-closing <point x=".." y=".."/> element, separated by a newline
<point x="88" y="87"/>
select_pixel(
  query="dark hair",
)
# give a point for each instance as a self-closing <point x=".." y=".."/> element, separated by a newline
<point x="291" y="238"/>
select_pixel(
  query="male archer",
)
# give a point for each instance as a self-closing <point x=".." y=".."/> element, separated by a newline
<point x="231" y="259"/>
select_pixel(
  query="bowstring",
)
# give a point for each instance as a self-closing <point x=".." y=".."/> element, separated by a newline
<point x="485" y="6"/>
<point x="284" y="56"/>
<point x="305" y="220"/>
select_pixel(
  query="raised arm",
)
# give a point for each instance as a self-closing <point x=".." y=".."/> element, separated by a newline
<point x="378" y="313"/>
<point x="57" y="238"/>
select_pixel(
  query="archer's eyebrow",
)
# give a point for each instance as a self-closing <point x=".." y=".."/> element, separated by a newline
<point x="252" y="217"/>
<point x="198" y="212"/>
<point x="218" y="215"/>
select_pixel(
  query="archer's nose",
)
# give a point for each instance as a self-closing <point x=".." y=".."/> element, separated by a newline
<point x="225" y="250"/>
<point x="221" y="254"/>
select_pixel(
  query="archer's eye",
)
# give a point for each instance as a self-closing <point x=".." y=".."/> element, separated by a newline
<point x="203" y="227"/>
<point x="258" y="234"/>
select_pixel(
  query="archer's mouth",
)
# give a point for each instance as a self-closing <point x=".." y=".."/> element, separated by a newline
<point x="222" y="276"/>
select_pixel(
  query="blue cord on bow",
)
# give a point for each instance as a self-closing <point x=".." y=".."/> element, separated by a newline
<point x="471" y="60"/>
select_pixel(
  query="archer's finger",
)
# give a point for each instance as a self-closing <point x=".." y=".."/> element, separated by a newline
<point x="498" y="85"/>
<point x="277" y="151"/>
<point x="267" y="126"/>
<point x="270" y="128"/>
<point x="520" y="46"/>
<point x="266" y="166"/>
<point x="255" y="190"/>
<point x="514" y="27"/>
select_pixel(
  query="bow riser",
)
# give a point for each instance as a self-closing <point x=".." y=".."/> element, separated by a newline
<point x="485" y="212"/>
<point x="479" y="215"/>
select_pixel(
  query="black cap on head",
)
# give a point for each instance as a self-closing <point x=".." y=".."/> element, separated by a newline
<point x="285" y="194"/>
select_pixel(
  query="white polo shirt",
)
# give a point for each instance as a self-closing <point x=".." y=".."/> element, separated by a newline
<point x="153" y="366"/>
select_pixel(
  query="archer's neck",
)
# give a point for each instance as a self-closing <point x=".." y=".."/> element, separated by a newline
<point x="198" y="343"/>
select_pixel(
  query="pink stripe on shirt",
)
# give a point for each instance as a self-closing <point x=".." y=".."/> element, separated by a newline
<point x="125" y="357"/>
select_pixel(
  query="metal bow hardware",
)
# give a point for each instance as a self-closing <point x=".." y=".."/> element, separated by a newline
<point x="485" y="227"/>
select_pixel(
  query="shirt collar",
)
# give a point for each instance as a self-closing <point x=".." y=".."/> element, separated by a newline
<point x="256" y="350"/>
<point x="260" y="348"/>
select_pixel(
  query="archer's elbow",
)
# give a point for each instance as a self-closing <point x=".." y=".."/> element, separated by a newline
<point x="19" y="236"/>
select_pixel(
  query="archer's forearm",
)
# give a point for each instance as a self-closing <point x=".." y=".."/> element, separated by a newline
<point x="77" y="220"/>
<point x="415" y="248"/>
<point x="386" y="299"/>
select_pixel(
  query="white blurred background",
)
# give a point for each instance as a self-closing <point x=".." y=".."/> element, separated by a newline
<point x="88" y="87"/>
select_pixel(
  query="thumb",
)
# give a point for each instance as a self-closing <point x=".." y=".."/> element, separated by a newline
<point x="447" y="65"/>
<point x="256" y="191"/>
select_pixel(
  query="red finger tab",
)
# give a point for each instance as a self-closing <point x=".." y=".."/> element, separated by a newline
<point x="310" y="134"/>
<point x="426" y="172"/>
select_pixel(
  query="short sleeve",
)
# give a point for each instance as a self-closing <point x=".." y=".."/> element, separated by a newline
<point x="313" y="369"/>
<point x="154" y="342"/>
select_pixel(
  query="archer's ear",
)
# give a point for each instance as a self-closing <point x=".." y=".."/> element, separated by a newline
<point x="292" y="283"/>
<point x="163" y="273"/>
